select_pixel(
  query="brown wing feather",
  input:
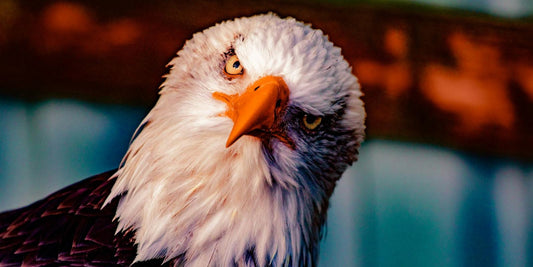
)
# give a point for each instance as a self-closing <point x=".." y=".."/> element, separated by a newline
<point x="67" y="228"/>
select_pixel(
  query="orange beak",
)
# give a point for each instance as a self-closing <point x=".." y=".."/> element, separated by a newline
<point x="257" y="110"/>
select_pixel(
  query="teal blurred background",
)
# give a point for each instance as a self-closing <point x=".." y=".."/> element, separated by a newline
<point x="403" y="203"/>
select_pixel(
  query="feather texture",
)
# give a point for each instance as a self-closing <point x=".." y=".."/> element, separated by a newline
<point x="67" y="228"/>
<point x="180" y="197"/>
<point x="185" y="193"/>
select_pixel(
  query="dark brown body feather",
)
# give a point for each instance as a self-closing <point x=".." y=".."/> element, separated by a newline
<point x="68" y="228"/>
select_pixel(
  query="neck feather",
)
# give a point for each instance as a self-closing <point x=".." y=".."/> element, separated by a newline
<point x="207" y="204"/>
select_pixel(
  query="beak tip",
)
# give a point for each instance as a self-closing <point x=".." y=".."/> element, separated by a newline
<point x="230" y="141"/>
<point x="228" y="144"/>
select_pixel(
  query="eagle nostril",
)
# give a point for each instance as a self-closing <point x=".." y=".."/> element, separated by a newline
<point x="255" y="89"/>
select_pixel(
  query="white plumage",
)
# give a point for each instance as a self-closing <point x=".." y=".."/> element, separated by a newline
<point x="184" y="192"/>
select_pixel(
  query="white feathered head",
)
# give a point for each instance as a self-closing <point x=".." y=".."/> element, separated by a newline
<point x="257" y="120"/>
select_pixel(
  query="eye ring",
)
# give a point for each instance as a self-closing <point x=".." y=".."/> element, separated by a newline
<point x="233" y="66"/>
<point x="311" y="122"/>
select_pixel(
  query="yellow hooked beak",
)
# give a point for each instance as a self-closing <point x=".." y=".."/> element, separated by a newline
<point x="256" y="111"/>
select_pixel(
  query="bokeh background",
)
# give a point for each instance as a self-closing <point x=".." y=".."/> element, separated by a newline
<point x="445" y="177"/>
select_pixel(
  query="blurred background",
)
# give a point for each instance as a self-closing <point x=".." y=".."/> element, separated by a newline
<point x="445" y="177"/>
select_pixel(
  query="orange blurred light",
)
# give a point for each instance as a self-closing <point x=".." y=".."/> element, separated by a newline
<point x="396" y="42"/>
<point x="67" y="17"/>
<point x="122" y="32"/>
<point x="395" y="77"/>
<point x="524" y="76"/>
<point x="475" y="91"/>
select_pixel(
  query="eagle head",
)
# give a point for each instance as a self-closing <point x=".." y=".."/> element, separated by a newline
<point x="257" y="119"/>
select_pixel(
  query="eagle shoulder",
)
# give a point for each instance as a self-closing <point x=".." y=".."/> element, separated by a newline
<point x="69" y="227"/>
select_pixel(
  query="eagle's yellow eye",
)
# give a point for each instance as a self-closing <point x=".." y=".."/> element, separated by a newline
<point x="311" y="122"/>
<point x="233" y="66"/>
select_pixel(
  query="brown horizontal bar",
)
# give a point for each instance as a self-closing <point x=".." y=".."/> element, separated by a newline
<point x="433" y="75"/>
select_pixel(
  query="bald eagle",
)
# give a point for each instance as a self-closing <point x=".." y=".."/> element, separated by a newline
<point x="256" y="121"/>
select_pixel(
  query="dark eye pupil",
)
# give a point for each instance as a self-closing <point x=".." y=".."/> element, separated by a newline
<point x="236" y="64"/>
<point x="310" y="119"/>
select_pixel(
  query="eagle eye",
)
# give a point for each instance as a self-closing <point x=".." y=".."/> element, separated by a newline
<point x="233" y="66"/>
<point x="311" y="122"/>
